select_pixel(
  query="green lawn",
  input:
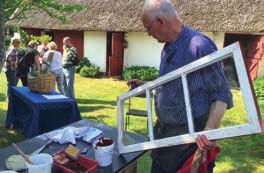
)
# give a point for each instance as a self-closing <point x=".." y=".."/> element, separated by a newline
<point x="97" y="100"/>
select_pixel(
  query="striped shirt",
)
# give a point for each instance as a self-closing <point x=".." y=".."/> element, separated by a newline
<point x="205" y="86"/>
<point x="11" y="59"/>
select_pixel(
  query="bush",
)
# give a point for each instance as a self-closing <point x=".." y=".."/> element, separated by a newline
<point x="90" y="71"/>
<point x="84" y="62"/>
<point x="140" y="72"/>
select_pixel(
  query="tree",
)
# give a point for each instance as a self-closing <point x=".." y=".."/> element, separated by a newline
<point x="2" y="33"/>
<point x="17" y="9"/>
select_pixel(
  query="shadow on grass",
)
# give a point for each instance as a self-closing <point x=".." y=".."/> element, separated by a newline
<point x="85" y="109"/>
<point x="2" y="97"/>
<point x="95" y="101"/>
<point x="98" y="118"/>
<point x="7" y="136"/>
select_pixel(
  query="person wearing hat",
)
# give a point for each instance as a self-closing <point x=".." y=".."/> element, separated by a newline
<point x="10" y="63"/>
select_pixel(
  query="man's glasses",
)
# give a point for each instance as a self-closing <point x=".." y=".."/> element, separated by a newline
<point x="150" y="25"/>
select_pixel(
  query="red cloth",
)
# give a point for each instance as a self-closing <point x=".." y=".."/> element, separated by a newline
<point x="203" y="168"/>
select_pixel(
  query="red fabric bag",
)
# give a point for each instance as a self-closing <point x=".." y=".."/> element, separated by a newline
<point x="203" y="167"/>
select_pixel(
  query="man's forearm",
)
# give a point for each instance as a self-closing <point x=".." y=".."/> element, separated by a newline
<point x="216" y="113"/>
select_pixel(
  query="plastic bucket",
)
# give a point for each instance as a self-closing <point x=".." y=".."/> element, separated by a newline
<point x="42" y="163"/>
<point x="103" y="151"/>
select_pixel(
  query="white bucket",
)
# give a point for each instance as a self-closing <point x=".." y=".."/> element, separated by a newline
<point x="104" y="154"/>
<point x="42" y="163"/>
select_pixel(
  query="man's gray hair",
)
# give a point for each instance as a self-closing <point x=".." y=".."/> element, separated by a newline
<point x="159" y="8"/>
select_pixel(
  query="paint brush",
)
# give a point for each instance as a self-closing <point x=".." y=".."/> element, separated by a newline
<point x="26" y="158"/>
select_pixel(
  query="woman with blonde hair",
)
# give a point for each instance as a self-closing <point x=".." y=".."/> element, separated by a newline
<point x="53" y="59"/>
<point x="10" y="63"/>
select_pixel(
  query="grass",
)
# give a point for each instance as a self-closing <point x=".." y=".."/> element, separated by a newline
<point x="97" y="100"/>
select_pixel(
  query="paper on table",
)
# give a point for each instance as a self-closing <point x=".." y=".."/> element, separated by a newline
<point x="92" y="134"/>
<point x="69" y="134"/>
<point x="54" y="97"/>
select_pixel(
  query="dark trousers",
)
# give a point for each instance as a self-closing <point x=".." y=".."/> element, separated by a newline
<point x="171" y="159"/>
<point x="11" y="79"/>
<point x="24" y="80"/>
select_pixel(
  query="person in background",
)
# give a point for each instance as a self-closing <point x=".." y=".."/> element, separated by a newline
<point x="28" y="58"/>
<point x="209" y="90"/>
<point x="53" y="59"/>
<point x="43" y="48"/>
<point x="68" y="63"/>
<point x="10" y="63"/>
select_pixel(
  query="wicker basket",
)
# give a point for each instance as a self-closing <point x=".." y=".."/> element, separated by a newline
<point x="44" y="83"/>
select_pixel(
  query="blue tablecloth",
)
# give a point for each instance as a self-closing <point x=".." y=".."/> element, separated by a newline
<point x="35" y="114"/>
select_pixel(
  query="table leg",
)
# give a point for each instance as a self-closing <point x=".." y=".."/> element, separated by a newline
<point x="131" y="168"/>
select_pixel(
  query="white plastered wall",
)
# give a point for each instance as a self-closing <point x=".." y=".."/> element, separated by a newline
<point x="142" y="50"/>
<point x="95" y="48"/>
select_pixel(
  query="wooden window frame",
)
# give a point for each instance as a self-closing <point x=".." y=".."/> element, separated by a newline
<point x="252" y="127"/>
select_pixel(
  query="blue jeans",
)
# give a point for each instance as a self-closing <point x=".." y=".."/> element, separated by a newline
<point x="69" y="73"/>
<point x="60" y="81"/>
<point x="12" y="79"/>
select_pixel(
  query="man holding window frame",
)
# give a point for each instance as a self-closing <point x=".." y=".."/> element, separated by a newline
<point x="209" y="91"/>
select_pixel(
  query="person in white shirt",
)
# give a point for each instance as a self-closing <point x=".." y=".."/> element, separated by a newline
<point x="43" y="48"/>
<point x="53" y="59"/>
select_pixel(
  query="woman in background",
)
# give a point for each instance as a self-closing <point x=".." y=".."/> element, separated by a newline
<point x="10" y="63"/>
<point x="53" y="59"/>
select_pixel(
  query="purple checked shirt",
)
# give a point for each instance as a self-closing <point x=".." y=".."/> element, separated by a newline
<point x="205" y="86"/>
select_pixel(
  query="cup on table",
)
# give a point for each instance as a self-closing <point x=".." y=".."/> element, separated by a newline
<point x="42" y="163"/>
<point x="103" y="151"/>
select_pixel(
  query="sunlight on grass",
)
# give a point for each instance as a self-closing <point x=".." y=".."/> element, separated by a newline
<point x="236" y="115"/>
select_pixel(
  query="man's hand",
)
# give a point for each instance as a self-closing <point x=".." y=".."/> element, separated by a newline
<point x="133" y="83"/>
<point x="204" y="144"/>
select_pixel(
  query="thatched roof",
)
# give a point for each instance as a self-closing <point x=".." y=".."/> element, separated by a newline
<point x="125" y="15"/>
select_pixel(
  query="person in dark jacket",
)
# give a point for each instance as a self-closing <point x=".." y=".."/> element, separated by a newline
<point x="28" y="58"/>
<point x="69" y="66"/>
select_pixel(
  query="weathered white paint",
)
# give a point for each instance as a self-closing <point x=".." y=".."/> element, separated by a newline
<point x="142" y="50"/>
<point x="217" y="37"/>
<point x="252" y="127"/>
<point x="95" y="48"/>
